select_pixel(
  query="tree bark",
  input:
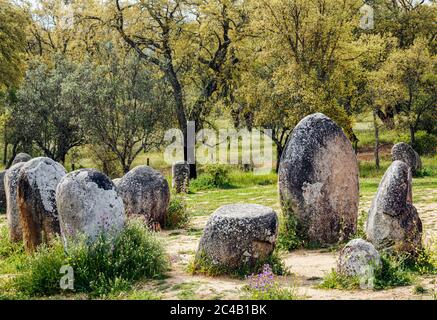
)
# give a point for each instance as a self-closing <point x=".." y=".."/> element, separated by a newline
<point x="376" y="151"/>
<point x="412" y="136"/>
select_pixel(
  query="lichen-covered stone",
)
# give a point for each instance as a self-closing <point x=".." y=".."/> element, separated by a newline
<point x="88" y="206"/>
<point x="357" y="257"/>
<point x="318" y="181"/>
<point x="145" y="194"/>
<point x="238" y="235"/>
<point x="181" y="176"/>
<point x="2" y="192"/>
<point x="404" y="152"/>
<point x="12" y="210"/>
<point x="21" y="157"/>
<point x="37" y="182"/>
<point x="393" y="221"/>
<point x="116" y="181"/>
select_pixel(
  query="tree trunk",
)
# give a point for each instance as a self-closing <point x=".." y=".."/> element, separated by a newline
<point x="376" y="151"/>
<point x="279" y="150"/>
<point x="412" y="136"/>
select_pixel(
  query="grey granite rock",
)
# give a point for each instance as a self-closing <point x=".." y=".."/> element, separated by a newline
<point x="21" y="157"/>
<point x="12" y="210"/>
<point x="404" y="152"/>
<point x="181" y="176"/>
<point x="318" y="181"/>
<point x="88" y="206"/>
<point x="239" y="234"/>
<point x="145" y="194"/>
<point x="37" y="182"/>
<point x="357" y="257"/>
<point x="393" y="221"/>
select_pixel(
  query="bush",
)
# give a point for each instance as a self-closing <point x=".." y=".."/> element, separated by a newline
<point x="212" y="177"/>
<point x="99" y="269"/>
<point x="263" y="286"/>
<point x="288" y="239"/>
<point x="177" y="215"/>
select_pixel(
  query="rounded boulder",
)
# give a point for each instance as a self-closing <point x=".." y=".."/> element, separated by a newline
<point x="88" y="206"/>
<point x="405" y="153"/>
<point x="238" y="235"/>
<point x="145" y="194"/>
<point x="358" y="258"/>
<point x="21" y="157"/>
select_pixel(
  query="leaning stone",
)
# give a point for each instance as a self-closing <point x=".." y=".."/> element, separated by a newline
<point x="181" y="176"/>
<point x="37" y="182"/>
<point x="393" y="221"/>
<point x="12" y="210"/>
<point x="21" y="157"/>
<point x="404" y="152"/>
<point x="318" y="181"/>
<point x="358" y="259"/>
<point x="88" y="206"/>
<point x="2" y="192"/>
<point x="238" y="235"/>
<point x="145" y="194"/>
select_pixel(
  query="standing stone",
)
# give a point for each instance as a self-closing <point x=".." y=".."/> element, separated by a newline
<point x="404" y="152"/>
<point x="393" y="221"/>
<point x="37" y="182"/>
<point x="88" y="206"/>
<point x="357" y="259"/>
<point x="318" y="181"/>
<point x="2" y="192"/>
<point x="238" y="235"/>
<point x="146" y="194"/>
<point x="181" y="176"/>
<point x="12" y="210"/>
<point x="21" y="157"/>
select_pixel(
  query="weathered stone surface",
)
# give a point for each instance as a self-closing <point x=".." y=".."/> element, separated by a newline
<point x="146" y="194"/>
<point x="393" y="221"/>
<point x="404" y="152"/>
<point x="239" y="234"/>
<point x="21" y="157"/>
<point x="116" y="181"/>
<point x="357" y="257"/>
<point x="12" y="211"/>
<point x="37" y="182"/>
<point x="88" y="206"/>
<point x="2" y="192"/>
<point x="318" y="181"/>
<point x="181" y="176"/>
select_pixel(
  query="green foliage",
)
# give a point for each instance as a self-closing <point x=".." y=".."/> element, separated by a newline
<point x="336" y="280"/>
<point x="100" y="269"/>
<point x="425" y="143"/>
<point x="361" y="225"/>
<point x="213" y="176"/>
<point x="12" y="254"/>
<point x="202" y="264"/>
<point x="177" y="214"/>
<point x="288" y="239"/>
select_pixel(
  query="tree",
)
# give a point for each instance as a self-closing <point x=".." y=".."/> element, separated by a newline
<point x="42" y="114"/>
<point x="125" y="107"/>
<point x="408" y="81"/>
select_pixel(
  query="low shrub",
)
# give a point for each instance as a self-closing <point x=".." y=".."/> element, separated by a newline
<point x="212" y="177"/>
<point x="99" y="269"/>
<point x="177" y="214"/>
<point x="263" y="286"/>
<point x="288" y="239"/>
<point x="425" y="143"/>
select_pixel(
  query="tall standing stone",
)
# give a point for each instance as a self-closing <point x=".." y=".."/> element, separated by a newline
<point x="21" y="157"/>
<point x="88" y="206"/>
<point x="37" y="184"/>
<point x="393" y="221"/>
<point x="180" y="176"/>
<point x="12" y="210"/>
<point x="318" y="181"/>
<point x="405" y="153"/>
<point x="145" y="194"/>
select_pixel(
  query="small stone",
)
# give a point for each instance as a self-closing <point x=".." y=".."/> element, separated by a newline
<point x="37" y="182"/>
<point x="21" y="157"/>
<point x="404" y="152"/>
<point x="318" y="181"/>
<point x="145" y="194"/>
<point x="88" y="206"/>
<point x="357" y="258"/>
<point x="393" y="221"/>
<point x="181" y="176"/>
<point x="12" y="210"/>
<point x="239" y="235"/>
